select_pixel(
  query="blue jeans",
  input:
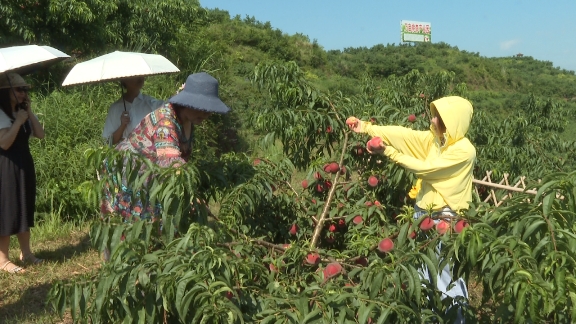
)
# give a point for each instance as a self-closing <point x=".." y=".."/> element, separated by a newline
<point x="444" y="278"/>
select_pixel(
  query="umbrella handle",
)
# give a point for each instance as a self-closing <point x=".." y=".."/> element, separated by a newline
<point x="122" y="94"/>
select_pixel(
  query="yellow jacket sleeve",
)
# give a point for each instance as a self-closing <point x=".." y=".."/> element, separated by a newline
<point x="450" y="163"/>
<point x="407" y="141"/>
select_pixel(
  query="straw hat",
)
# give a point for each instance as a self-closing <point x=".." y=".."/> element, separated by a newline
<point x="13" y="80"/>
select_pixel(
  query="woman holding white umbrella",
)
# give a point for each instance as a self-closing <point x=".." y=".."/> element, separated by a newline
<point x="17" y="173"/>
<point x="127" y="112"/>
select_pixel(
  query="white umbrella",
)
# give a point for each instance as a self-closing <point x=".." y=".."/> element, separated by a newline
<point x="118" y="65"/>
<point x="27" y="58"/>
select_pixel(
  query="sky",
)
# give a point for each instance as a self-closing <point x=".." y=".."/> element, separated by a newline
<point x="545" y="30"/>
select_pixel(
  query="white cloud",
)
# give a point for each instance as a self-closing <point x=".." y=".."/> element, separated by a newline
<point x="506" y="45"/>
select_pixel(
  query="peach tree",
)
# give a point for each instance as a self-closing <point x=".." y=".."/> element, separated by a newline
<point x="242" y="240"/>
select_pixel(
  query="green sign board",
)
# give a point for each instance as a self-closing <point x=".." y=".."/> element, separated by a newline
<point x="415" y="31"/>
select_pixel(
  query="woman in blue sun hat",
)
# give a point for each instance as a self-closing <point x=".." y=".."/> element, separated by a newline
<point x="164" y="137"/>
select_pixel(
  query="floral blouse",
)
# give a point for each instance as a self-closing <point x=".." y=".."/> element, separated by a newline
<point x="159" y="137"/>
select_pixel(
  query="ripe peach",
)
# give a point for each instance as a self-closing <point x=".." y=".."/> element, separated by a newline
<point x="294" y="229"/>
<point x="368" y="204"/>
<point x="343" y="170"/>
<point x="332" y="269"/>
<point x="386" y="245"/>
<point x="313" y="258"/>
<point x="332" y="228"/>
<point x="377" y="203"/>
<point x="352" y="121"/>
<point x="304" y="184"/>
<point x="357" y="220"/>
<point x="374" y="144"/>
<point x="272" y="268"/>
<point x="319" y="188"/>
<point x="333" y="167"/>
<point x="373" y="181"/>
<point x="460" y="226"/>
<point x="363" y="261"/>
<point x="329" y="129"/>
<point x="412" y="118"/>
<point x="317" y="175"/>
<point x="412" y="235"/>
<point x="341" y="223"/>
<point x="442" y="227"/>
<point x="427" y="224"/>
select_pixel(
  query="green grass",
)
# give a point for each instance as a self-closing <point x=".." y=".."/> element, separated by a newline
<point x="67" y="252"/>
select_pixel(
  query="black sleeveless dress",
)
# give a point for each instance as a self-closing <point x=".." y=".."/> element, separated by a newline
<point x="17" y="185"/>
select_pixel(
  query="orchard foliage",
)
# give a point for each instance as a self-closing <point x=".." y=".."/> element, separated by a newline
<point x="242" y="241"/>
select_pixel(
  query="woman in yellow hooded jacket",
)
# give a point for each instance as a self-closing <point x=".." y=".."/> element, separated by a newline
<point x="442" y="159"/>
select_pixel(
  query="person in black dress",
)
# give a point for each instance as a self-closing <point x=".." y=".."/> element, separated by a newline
<point x="17" y="174"/>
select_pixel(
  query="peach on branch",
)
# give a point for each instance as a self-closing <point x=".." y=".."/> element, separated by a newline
<point x="363" y="261"/>
<point x="317" y="175"/>
<point x="294" y="229"/>
<point x="386" y="245"/>
<point x="304" y="183"/>
<point x="368" y="204"/>
<point x="329" y="129"/>
<point x="319" y="188"/>
<point x="357" y="220"/>
<point x="333" y="167"/>
<point x="412" y="235"/>
<point x="332" y="228"/>
<point x="342" y="170"/>
<point x="313" y="258"/>
<point x="427" y="224"/>
<point x="330" y="238"/>
<point x="332" y="270"/>
<point x="442" y="227"/>
<point x="412" y="118"/>
<point x="460" y="226"/>
<point x="373" y="181"/>
<point x="341" y="223"/>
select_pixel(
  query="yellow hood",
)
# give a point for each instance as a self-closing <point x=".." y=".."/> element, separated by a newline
<point x="456" y="113"/>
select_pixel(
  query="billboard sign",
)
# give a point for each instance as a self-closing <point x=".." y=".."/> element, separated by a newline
<point x="415" y="31"/>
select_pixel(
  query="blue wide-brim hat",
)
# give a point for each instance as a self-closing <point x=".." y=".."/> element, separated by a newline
<point x="200" y="92"/>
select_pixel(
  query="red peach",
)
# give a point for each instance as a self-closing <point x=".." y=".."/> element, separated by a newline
<point x="332" y="228"/>
<point x="304" y="184"/>
<point x="460" y="226"/>
<point x="317" y="175"/>
<point x="442" y="227"/>
<point x="341" y="223"/>
<point x="294" y="229"/>
<point x="374" y="144"/>
<point x="319" y="188"/>
<point x="368" y="204"/>
<point x="333" y="167"/>
<point x="373" y="181"/>
<point x="363" y="261"/>
<point x="357" y="220"/>
<point x="329" y="129"/>
<point x="386" y="245"/>
<point x="412" y="235"/>
<point x="412" y="118"/>
<point x="427" y="224"/>
<point x="332" y="269"/>
<point x="313" y="258"/>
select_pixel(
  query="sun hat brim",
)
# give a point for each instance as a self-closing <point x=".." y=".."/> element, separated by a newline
<point x="199" y="102"/>
<point x="15" y="81"/>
